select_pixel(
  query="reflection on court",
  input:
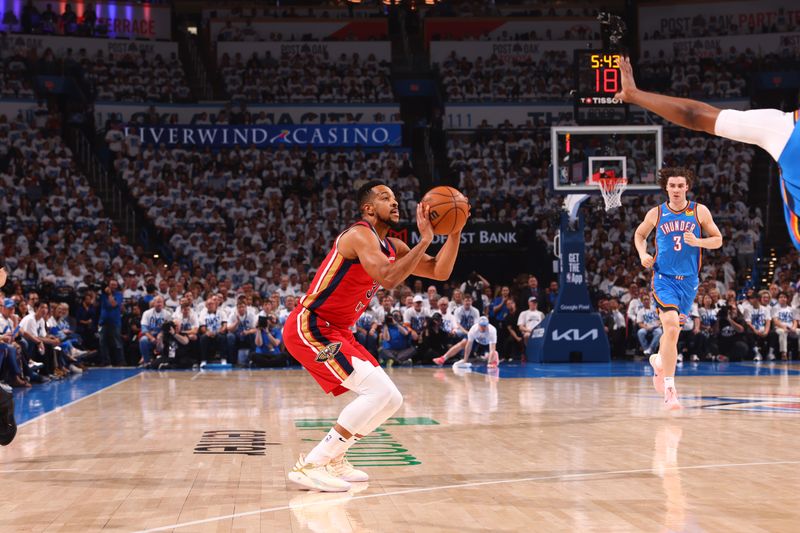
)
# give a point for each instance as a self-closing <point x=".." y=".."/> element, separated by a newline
<point x="494" y="454"/>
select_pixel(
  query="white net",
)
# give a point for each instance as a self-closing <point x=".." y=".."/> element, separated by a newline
<point x="611" y="189"/>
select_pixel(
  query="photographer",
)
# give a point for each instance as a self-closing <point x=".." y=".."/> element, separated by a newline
<point x="268" y="340"/>
<point x="435" y="340"/>
<point x="172" y="348"/>
<point x="732" y="340"/>
<point x="396" y="339"/>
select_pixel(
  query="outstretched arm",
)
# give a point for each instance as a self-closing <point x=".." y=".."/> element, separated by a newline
<point x="682" y="111"/>
<point x="439" y="267"/>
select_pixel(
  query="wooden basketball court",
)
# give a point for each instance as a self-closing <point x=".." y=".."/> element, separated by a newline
<point x="209" y="451"/>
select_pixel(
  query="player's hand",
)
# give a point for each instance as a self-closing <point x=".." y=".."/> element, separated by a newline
<point x="691" y="239"/>
<point x="424" y="222"/>
<point x="627" y="81"/>
<point x="647" y="260"/>
<point x="469" y="214"/>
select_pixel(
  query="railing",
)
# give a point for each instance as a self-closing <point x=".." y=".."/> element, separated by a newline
<point x="203" y="89"/>
<point x="118" y="209"/>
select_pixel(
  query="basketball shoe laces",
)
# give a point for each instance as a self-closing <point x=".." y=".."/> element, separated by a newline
<point x="340" y="467"/>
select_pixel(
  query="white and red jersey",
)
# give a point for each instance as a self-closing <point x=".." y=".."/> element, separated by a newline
<point x="342" y="289"/>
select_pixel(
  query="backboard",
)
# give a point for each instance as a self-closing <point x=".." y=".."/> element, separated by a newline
<point x="582" y="154"/>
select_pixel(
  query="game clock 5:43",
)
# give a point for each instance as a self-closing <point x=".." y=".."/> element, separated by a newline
<point x="597" y="80"/>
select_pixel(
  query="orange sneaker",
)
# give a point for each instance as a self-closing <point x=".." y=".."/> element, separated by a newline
<point x="671" y="402"/>
<point x="439" y="360"/>
<point x="658" y="372"/>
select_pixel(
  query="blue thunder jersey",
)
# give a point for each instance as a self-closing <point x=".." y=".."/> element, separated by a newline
<point x="673" y="256"/>
<point x="789" y="163"/>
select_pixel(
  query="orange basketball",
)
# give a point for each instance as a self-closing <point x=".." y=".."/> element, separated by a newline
<point x="449" y="209"/>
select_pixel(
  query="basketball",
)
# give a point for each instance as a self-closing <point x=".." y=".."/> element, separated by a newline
<point x="449" y="209"/>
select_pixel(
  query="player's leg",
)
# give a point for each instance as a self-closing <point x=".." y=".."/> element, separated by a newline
<point x="668" y="350"/>
<point x="454" y="349"/>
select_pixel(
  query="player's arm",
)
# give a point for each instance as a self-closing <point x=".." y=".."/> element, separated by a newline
<point x="640" y="237"/>
<point x="359" y="243"/>
<point x="439" y="267"/>
<point x="709" y="227"/>
<point x="690" y="114"/>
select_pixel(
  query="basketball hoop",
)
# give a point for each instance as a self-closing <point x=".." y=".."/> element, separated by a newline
<point x="611" y="189"/>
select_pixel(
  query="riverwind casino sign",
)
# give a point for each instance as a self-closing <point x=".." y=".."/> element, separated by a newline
<point x="321" y="135"/>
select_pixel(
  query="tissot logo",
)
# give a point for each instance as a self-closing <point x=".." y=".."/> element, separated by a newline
<point x="233" y="442"/>
<point x="575" y="335"/>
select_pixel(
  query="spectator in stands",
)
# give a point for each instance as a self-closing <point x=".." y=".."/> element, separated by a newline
<point x="497" y="307"/>
<point x="241" y="333"/>
<point x="759" y="321"/>
<point x="509" y="335"/>
<point x="213" y="322"/>
<point x="151" y="323"/>
<point x="10" y="372"/>
<point x="110" y="323"/>
<point x="784" y="319"/>
<point x="615" y="325"/>
<point x="466" y="316"/>
<point x="530" y="318"/>
<point x="649" y="329"/>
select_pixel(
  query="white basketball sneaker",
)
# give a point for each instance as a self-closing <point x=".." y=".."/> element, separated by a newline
<point x="341" y="468"/>
<point x="316" y="477"/>
<point x="658" y="372"/>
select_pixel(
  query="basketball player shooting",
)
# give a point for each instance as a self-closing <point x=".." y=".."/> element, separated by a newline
<point x="773" y="130"/>
<point x="317" y="333"/>
<point x="680" y="225"/>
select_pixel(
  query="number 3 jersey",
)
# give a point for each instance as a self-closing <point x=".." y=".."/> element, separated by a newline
<point x="342" y="289"/>
<point x="673" y="256"/>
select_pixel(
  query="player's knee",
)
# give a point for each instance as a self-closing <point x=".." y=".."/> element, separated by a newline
<point x="395" y="400"/>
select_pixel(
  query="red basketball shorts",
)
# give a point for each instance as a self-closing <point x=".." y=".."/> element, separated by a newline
<point x="326" y="351"/>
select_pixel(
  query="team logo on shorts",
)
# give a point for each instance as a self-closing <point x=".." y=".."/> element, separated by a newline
<point x="329" y="352"/>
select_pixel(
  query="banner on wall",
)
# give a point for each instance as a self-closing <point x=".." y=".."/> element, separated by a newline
<point x="265" y="114"/>
<point x="578" y="28"/>
<point x="262" y="29"/>
<point x="134" y="20"/>
<point x="728" y="17"/>
<point x="714" y="47"/>
<point x="506" y="50"/>
<point x="496" y="237"/>
<point x="60" y="45"/>
<point x="11" y="108"/>
<point x="321" y="136"/>
<point x="472" y="116"/>
<point x="321" y="50"/>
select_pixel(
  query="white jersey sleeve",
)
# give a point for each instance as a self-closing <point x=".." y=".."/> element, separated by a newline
<point x="768" y="128"/>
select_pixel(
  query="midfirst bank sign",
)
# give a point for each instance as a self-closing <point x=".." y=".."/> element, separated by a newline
<point x="323" y="135"/>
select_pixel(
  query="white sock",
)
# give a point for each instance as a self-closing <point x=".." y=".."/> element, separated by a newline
<point x="669" y="383"/>
<point x="331" y="446"/>
<point x="353" y="440"/>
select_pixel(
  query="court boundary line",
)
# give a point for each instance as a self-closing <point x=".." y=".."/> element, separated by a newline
<point x="457" y="486"/>
<point x="25" y="470"/>
<point x="73" y="402"/>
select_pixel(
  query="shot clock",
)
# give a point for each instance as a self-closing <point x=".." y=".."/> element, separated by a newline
<point x="597" y="80"/>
